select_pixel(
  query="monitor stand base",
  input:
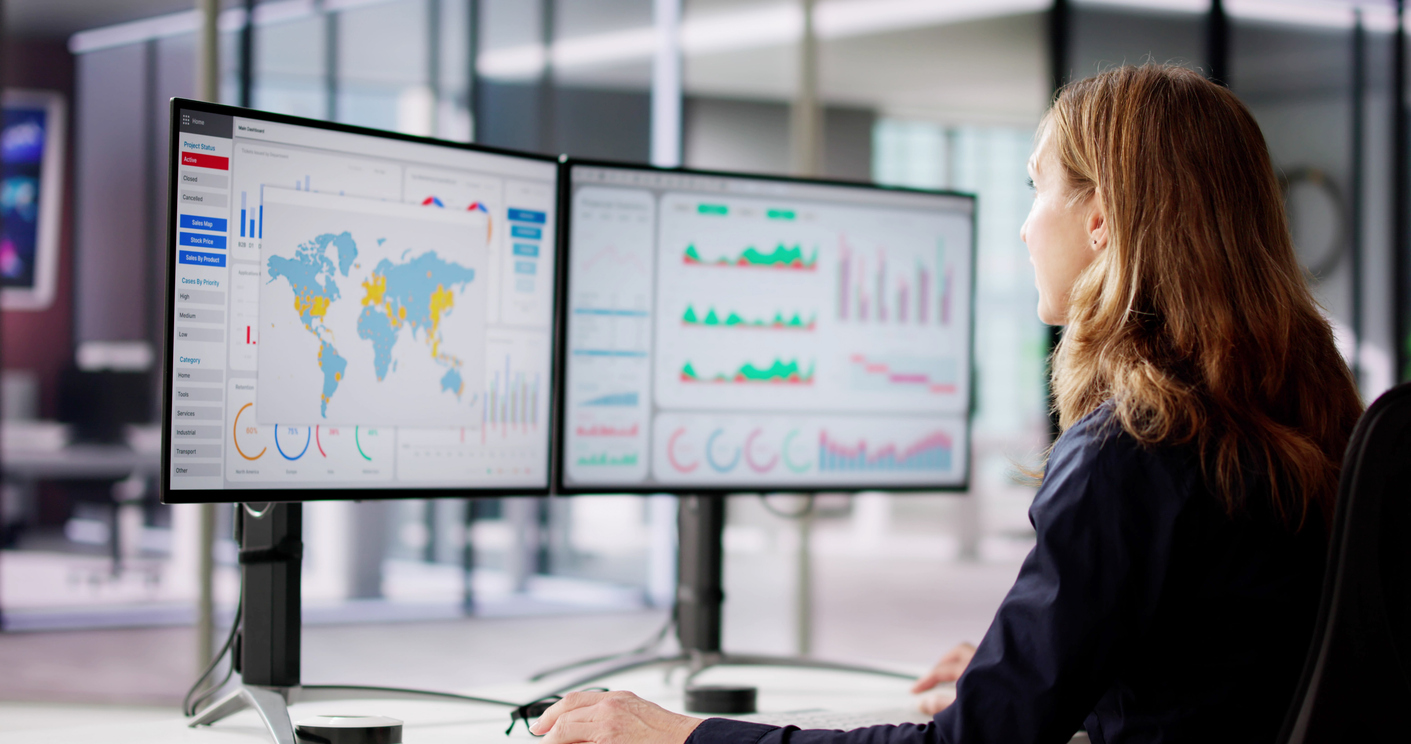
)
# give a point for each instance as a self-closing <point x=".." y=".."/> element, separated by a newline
<point x="272" y="703"/>
<point x="271" y="551"/>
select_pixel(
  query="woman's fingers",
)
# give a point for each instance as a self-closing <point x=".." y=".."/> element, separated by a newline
<point x="936" y="702"/>
<point x="926" y="682"/>
<point x="567" y="731"/>
<point x="570" y="702"/>
<point x="948" y="669"/>
<point x="612" y="718"/>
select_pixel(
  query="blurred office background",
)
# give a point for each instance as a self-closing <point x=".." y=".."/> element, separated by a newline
<point x="96" y="574"/>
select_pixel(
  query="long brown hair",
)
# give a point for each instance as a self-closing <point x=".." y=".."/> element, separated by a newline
<point x="1196" y="321"/>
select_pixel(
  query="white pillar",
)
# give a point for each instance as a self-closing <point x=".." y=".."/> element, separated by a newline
<point x="666" y="85"/>
<point x="207" y="89"/>
<point x="661" y="549"/>
<point x="806" y="112"/>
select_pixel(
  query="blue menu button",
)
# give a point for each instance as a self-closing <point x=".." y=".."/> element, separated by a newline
<point x="198" y="240"/>
<point x="196" y="258"/>
<point x="201" y="223"/>
<point x="527" y="215"/>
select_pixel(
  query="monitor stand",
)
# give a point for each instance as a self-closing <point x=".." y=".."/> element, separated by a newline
<point x="267" y="655"/>
<point x="699" y="600"/>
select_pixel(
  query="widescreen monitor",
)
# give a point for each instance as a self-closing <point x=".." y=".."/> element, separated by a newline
<point x="354" y="313"/>
<point x="732" y="332"/>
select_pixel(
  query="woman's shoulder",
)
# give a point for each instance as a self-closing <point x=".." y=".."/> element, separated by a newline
<point x="1096" y="459"/>
<point x="1097" y="436"/>
<point x="1100" y="436"/>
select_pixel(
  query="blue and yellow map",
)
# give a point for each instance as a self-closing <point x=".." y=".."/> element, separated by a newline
<point x="414" y="295"/>
<point x="311" y="276"/>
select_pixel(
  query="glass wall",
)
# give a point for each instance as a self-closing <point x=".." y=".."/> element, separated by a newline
<point x="1293" y="64"/>
<point x="95" y="547"/>
<point x="289" y="66"/>
<point x="1299" y="79"/>
<point x="915" y="94"/>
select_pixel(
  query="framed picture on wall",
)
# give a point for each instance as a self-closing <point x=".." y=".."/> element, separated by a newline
<point x="31" y="197"/>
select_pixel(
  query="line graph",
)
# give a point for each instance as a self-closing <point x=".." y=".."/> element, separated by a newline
<point x="607" y="430"/>
<point x="604" y="459"/>
<point x="779" y="322"/>
<point x="780" y="372"/>
<point x="934" y="375"/>
<point x="785" y="257"/>
<point x="626" y="400"/>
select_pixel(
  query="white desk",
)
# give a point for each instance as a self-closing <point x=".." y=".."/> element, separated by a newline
<point x="780" y="690"/>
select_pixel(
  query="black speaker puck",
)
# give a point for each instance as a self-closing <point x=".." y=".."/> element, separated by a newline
<point x="349" y="730"/>
<point x="720" y="699"/>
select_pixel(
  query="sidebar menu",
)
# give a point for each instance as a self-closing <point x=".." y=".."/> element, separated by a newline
<point x="200" y="301"/>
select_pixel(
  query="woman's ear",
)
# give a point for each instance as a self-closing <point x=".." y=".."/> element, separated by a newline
<point x="1096" y="224"/>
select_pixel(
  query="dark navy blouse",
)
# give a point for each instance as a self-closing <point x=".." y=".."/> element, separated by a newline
<point x="1143" y="614"/>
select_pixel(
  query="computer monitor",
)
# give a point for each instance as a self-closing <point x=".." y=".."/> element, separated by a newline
<point x="354" y="313"/>
<point x="729" y="332"/>
<point x="31" y="197"/>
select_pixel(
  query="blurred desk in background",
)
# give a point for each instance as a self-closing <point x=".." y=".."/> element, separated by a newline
<point x="36" y="451"/>
<point x="78" y="462"/>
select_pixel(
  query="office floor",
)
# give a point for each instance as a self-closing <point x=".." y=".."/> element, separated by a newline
<point x="898" y="611"/>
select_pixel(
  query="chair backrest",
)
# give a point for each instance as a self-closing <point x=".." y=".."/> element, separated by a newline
<point x="1356" y="684"/>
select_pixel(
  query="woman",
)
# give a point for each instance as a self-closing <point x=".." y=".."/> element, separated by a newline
<point x="1182" y="517"/>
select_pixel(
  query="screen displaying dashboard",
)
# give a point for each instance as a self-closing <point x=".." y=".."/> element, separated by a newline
<point x="730" y="332"/>
<point x="355" y="311"/>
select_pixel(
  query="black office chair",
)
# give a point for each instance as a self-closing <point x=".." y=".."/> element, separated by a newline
<point x="1356" y="682"/>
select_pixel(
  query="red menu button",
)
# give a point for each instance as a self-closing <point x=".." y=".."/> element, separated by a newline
<point x="205" y="161"/>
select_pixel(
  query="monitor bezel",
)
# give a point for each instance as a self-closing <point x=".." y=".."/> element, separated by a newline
<point x="333" y="492"/>
<point x="562" y="487"/>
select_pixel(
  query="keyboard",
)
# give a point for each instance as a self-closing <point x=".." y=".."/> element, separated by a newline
<point x="838" y="720"/>
<point x="847" y="721"/>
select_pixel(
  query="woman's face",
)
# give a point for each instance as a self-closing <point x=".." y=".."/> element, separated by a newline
<point x="1063" y="237"/>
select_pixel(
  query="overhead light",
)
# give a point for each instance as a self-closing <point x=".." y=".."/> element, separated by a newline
<point x="185" y="22"/>
<point x="1325" y="14"/>
<point x="279" y="11"/>
<point x="773" y="25"/>
<point x="517" y="62"/>
<point x="835" y="19"/>
<point x="1169" y="6"/>
<point x="608" y="47"/>
<point x="723" y="32"/>
<point x="770" y="26"/>
<point x="122" y="34"/>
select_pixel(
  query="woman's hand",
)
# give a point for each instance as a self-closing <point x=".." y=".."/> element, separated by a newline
<point x="611" y="718"/>
<point x="948" y="669"/>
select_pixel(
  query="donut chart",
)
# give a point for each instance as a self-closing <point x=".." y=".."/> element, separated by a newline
<point x="744" y="451"/>
<point x="308" y="438"/>
<point x="789" y="463"/>
<point x="710" y="454"/>
<point x="357" y="440"/>
<point x="681" y="467"/>
<point x="235" y="435"/>
<point x="750" y="459"/>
